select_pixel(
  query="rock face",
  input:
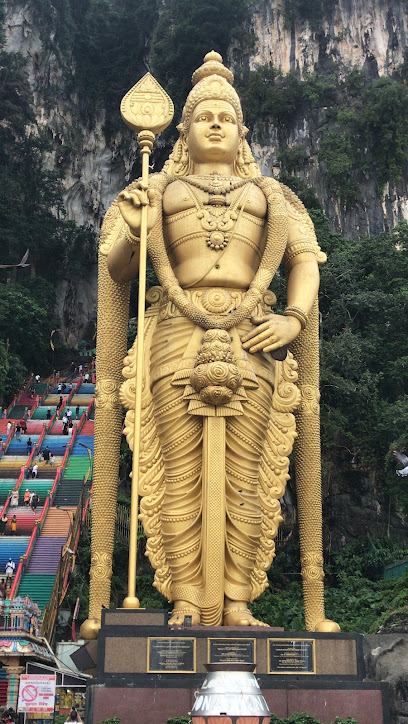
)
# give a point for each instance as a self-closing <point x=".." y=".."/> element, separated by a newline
<point x="370" y="35"/>
<point x="386" y="658"/>
<point x="93" y="171"/>
<point x="356" y="32"/>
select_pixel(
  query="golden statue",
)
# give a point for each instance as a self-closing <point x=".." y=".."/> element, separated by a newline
<point x="223" y="376"/>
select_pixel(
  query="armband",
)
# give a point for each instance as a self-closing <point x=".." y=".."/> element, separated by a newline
<point x="131" y="238"/>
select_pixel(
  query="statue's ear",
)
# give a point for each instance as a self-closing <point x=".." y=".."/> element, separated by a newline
<point x="245" y="130"/>
<point x="180" y="127"/>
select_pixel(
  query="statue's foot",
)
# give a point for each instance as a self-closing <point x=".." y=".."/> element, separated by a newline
<point x="180" y="611"/>
<point x="240" y="616"/>
<point x="327" y="626"/>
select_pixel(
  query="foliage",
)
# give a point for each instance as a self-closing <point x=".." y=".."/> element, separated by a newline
<point x="293" y="719"/>
<point x="111" y="720"/>
<point x="12" y="374"/>
<point x="32" y="213"/>
<point x="26" y="321"/>
<point x="303" y="718"/>
<point x="356" y="595"/>
<point x="383" y="125"/>
<point x="60" y="719"/>
<point x="337" y="153"/>
<point x="292" y="158"/>
<point x="185" y="31"/>
<point x="371" y="134"/>
<point x="363" y="350"/>
<point x="269" y="95"/>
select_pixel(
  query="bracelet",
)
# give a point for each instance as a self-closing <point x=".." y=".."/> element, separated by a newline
<point x="298" y="314"/>
<point x="131" y="238"/>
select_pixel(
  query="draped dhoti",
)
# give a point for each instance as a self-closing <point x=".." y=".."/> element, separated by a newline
<point x="250" y="459"/>
<point x="181" y="440"/>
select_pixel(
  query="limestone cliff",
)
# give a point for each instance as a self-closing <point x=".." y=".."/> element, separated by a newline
<point x="369" y="35"/>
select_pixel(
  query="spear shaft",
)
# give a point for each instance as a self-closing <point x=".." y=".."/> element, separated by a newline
<point x="145" y="139"/>
<point x="147" y="109"/>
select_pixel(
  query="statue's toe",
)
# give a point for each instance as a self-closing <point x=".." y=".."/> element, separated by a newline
<point x="240" y="617"/>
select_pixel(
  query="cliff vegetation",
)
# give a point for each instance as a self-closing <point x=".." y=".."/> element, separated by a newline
<point x="337" y="133"/>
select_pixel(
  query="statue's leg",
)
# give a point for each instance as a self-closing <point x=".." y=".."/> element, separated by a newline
<point x="245" y="439"/>
<point x="180" y="436"/>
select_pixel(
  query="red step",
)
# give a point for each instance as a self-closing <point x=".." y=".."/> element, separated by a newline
<point x="35" y="427"/>
<point x="88" y="428"/>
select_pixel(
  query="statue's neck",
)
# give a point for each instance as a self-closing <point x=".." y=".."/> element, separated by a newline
<point x="204" y="169"/>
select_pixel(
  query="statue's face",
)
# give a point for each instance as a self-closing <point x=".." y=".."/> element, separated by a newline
<point x="213" y="134"/>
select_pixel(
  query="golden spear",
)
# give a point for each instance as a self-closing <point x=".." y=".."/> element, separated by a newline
<point x="147" y="110"/>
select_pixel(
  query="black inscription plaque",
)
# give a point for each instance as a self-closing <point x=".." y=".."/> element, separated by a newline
<point x="173" y="655"/>
<point x="231" y="650"/>
<point x="291" y="656"/>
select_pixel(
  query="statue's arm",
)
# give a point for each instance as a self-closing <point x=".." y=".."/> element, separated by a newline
<point x="123" y="261"/>
<point x="274" y="331"/>
<point x="123" y="256"/>
<point x="303" y="282"/>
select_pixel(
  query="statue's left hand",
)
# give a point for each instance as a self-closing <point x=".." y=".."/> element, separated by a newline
<point x="272" y="332"/>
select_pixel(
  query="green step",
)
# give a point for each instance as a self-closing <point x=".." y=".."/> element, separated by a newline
<point x="5" y="486"/>
<point x="77" y="467"/>
<point x="37" y="586"/>
<point x="41" y="412"/>
<point x="40" y="387"/>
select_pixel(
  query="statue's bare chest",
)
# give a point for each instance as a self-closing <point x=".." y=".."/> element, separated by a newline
<point x="180" y="196"/>
<point x="200" y="223"/>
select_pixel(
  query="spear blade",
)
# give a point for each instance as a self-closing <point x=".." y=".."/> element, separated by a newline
<point x="147" y="106"/>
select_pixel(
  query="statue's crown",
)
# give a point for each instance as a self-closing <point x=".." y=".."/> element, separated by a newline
<point x="212" y="65"/>
<point x="212" y="81"/>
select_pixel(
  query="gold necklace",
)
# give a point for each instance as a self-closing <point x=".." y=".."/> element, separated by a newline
<point x="215" y="184"/>
<point x="215" y="221"/>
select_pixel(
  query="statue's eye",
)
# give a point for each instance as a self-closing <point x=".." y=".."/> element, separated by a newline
<point x="203" y="117"/>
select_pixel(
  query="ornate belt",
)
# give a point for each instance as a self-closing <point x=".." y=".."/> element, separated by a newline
<point x="215" y="300"/>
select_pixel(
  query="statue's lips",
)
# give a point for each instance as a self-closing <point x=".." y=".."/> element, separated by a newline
<point x="215" y="137"/>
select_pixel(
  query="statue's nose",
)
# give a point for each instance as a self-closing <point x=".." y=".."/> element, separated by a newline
<point x="215" y="124"/>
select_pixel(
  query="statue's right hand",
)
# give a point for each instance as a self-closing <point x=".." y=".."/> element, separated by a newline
<point x="131" y="203"/>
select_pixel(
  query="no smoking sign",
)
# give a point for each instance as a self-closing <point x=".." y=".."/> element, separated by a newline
<point x="37" y="693"/>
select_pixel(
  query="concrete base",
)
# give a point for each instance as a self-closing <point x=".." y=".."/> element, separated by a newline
<point x="128" y="684"/>
<point x="366" y="702"/>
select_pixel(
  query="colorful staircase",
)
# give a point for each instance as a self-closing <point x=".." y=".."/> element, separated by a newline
<point x="45" y="551"/>
<point x="37" y="587"/>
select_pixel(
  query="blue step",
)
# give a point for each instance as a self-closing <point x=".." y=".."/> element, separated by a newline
<point x="12" y="546"/>
<point x="87" y="440"/>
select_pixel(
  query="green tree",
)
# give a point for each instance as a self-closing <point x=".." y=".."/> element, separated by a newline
<point x="25" y="325"/>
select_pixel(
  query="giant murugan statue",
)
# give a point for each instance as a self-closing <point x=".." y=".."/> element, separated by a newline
<point x="223" y="376"/>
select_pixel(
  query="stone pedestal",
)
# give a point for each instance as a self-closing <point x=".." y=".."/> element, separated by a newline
<point x="144" y="666"/>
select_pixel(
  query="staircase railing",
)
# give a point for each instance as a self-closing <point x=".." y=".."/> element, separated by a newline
<point x="9" y="438"/>
<point x="24" y="559"/>
<point x="51" y="422"/>
<point x="10" y="407"/>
